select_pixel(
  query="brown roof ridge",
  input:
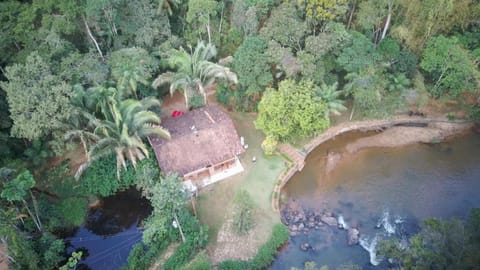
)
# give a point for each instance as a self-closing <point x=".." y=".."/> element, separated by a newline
<point x="214" y="141"/>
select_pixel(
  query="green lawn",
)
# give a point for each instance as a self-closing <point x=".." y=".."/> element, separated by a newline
<point x="216" y="201"/>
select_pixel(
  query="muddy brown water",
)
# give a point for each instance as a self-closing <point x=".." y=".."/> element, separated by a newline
<point x="384" y="192"/>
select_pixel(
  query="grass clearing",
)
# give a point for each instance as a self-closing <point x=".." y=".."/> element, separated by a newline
<point x="215" y="202"/>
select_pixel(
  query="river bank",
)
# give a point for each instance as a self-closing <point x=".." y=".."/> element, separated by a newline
<point x="401" y="131"/>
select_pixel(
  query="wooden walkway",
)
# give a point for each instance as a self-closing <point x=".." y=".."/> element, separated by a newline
<point x="295" y="160"/>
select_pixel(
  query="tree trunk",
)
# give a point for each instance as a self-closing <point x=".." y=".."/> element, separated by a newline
<point x="351" y="14"/>
<point x="351" y="113"/>
<point x="35" y="208"/>
<point x="179" y="227"/>
<point x="186" y="98"/>
<point x="204" y="94"/>
<point x="387" y="24"/>
<point x="39" y="226"/>
<point x="221" y="19"/>
<point x="194" y="207"/>
<point x="208" y="32"/>
<point x="92" y="38"/>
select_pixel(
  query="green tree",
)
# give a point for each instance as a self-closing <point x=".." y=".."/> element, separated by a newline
<point x="376" y="15"/>
<point x="244" y="18"/>
<point x="439" y="245"/>
<point x="194" y="72"/>
<point x="17" y="189"/>
<point x="85" y="69"/>
<point x="122" y="130"/>
<point x="243" y="212"/>
<point x="285" y="27"/>
<point x="368" y="90"/>
<point x="131" y="66"/>
<point x="251" y="65"/>
<point x="450" y="66"/>
<point x="39" y="100"/>
<point x="359" y="55"/>
<point x="321" y="11"/>
<point x="168" y="198"/>
<point x="199" y="18"/>
<point x="292" y="111"/>
<point x="103" y="17"/>
<point x="145" y="23"/>
<point x="424" y="19"/>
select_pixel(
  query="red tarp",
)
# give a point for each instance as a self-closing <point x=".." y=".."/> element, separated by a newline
<point x="177" y="113"/>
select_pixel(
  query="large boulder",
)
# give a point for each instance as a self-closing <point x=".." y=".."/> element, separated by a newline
<point x="329" y="220"/>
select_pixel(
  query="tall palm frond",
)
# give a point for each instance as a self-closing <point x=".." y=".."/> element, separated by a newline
<point x="194" y="71"/>
<point x="330" y="95"/>
<point x="122" y="131"/>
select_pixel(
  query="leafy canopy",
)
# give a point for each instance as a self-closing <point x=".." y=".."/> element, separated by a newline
<point x="450" y="66"/>
<point x="292" y="111"/>
<point x="251" y="65"/>
<point x="39" y="100"/>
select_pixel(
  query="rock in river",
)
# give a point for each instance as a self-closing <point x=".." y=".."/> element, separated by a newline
<point x="329" y="220"/>
<point x="304" y="246"/>
<point x="353" y="236"/>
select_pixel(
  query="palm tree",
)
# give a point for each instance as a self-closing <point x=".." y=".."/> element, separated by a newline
<point x="121" y="132"/>
<point x="131" y="66"/>
<point x="194" y="71"/>
<point x="331" y="96"/>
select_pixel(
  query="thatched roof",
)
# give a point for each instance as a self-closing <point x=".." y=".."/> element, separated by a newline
<point x="214" y="141"/>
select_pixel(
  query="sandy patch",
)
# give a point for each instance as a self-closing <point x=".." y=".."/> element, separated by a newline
<point x="402" y="136"/>
<point x="231" y="246"/>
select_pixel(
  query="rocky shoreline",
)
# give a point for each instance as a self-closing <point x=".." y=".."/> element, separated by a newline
<point x="303" y="221"/>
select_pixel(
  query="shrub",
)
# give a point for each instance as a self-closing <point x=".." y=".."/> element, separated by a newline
<point x="142" y="256"/>
<point x="196" y="101"/>
<point x="242" y="213"/>
<point x="292" y="111"/>
<point x="268" y="250"/>
<point x="101" y="177"/>
<point x="72" y="211"/>
<point x="269" y="145"/>
<point x="181" y="255"/>
<point x="223" y="94"/>
<point x="200" y="262"/>
<point x="234" y="265"/>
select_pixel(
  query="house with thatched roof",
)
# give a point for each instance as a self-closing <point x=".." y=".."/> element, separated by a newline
<point x="203" y="148"/>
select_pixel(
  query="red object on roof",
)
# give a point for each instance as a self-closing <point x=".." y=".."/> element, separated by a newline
<point x="177" y="113"/>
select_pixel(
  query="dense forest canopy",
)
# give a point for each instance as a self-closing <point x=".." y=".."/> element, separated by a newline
<point x="93" y="72"/>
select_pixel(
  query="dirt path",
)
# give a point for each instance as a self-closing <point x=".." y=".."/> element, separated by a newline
<point x="3" y="258"/>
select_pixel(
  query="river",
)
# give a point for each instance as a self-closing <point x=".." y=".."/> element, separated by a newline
<point x="382" y="192"/>
<point x="110" y="231"/>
